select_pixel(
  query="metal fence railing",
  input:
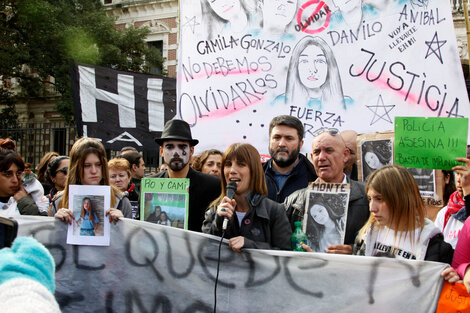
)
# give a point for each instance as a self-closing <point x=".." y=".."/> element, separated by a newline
<point x="33" y="140"/>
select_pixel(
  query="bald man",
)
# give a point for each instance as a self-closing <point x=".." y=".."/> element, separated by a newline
<point x="330" y="154"/>
<point x="350" y="139"/>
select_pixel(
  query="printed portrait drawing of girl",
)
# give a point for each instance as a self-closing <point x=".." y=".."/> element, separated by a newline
<point x="88" y="218"/>
<point x="313" y="77"/>
<point x="277" y="16"/>
<point x="326" y="223"/>
<point x="220" y="16"/>
<point x="375" y="154"/>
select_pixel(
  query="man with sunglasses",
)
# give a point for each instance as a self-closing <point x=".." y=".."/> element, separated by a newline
<point x="288" y="170"/>
<point x="56" y="175"/>
<point x="329" y="155"/>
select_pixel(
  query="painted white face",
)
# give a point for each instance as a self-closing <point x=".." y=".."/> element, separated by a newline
<point x="279" y="12"/>
<point x="225" y="9"/>
<point x="176" y="154"/>
<point x="319" y="214"/>
<point x="313" y="67"/>
<point x="372" y="160"/>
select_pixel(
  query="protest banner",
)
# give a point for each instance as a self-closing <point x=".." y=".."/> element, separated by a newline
<point x="325" y="215"/>
<point x="153" y="268"/>
<point x="342" y="64"/>
<point x="165" y="201"/>
<point x="430" y="143"/>
<point x="121" y="108"/>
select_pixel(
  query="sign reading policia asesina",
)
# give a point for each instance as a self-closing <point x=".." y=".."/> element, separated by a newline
<point x="431" y="143"/>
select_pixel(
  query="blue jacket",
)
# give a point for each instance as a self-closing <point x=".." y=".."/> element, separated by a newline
<point x="300" y="176"/>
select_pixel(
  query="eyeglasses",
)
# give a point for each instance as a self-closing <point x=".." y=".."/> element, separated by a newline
<point x="64" y="170"/>
<point x="331" y="131"/>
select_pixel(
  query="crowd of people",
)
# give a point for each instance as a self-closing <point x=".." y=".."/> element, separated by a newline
<point x="385" y="216"/>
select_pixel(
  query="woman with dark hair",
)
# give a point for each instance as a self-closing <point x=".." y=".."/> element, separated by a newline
<point x="88" y="166"/>
<point x="14" y="198"/>
<point x="451" y="218"/>
<point x="255" y="220"/>
<point x="449" y="186"/>
<point x="397" y="226"/>
<point x="42" y="170"/>
<point x="313" y="77"/>
<point x="57" y="175"/>
<point x="326" y="227"/>
<point x="88" y="220"/>
<point x="208" y="162"/>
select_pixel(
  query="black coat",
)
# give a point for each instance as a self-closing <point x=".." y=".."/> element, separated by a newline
<point x="203" y="189"/>
<point x="265" y="225"/>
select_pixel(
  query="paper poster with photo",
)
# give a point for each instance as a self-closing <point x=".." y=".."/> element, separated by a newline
<point x="425" y="180"/>
<point x="165" y="201"/>
<point x="326" y="210"/>
<point x="375" y="154"/>
<point x="89" y="205"/>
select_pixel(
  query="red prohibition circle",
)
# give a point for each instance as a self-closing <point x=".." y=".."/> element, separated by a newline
<point x="320" y="5"/>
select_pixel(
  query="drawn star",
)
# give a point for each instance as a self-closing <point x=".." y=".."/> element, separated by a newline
<point x="191" y="23"/>
<point x="437" y="50"/>
<point x="381" y="111"/>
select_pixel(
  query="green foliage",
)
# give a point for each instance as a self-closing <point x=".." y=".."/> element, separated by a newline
<point x="8" y="115"/>
<point x="39" y="37"/>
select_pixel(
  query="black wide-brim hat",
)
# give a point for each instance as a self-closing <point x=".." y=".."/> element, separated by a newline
<point x="177" y="130"/>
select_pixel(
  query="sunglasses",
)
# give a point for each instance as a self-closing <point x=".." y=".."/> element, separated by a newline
<point x="331" y="131"/>
<point x="64" y="170"/>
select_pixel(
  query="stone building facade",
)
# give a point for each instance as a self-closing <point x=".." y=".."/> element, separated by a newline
<point x="160" y="16"/>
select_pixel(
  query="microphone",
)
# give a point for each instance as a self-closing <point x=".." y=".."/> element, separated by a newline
<point x="231" y="189"/>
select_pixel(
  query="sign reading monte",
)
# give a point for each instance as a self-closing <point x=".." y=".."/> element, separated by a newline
<point x="432" y="143"/>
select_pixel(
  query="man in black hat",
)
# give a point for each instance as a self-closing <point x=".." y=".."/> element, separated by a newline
<point x="177" y="147"/>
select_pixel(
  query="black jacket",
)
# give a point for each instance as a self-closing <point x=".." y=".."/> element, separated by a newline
<point x="300" y="176"/>
<point x="203" y="189"/>
<point x="265" y="225"/>
<point x="358" y="209"/>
